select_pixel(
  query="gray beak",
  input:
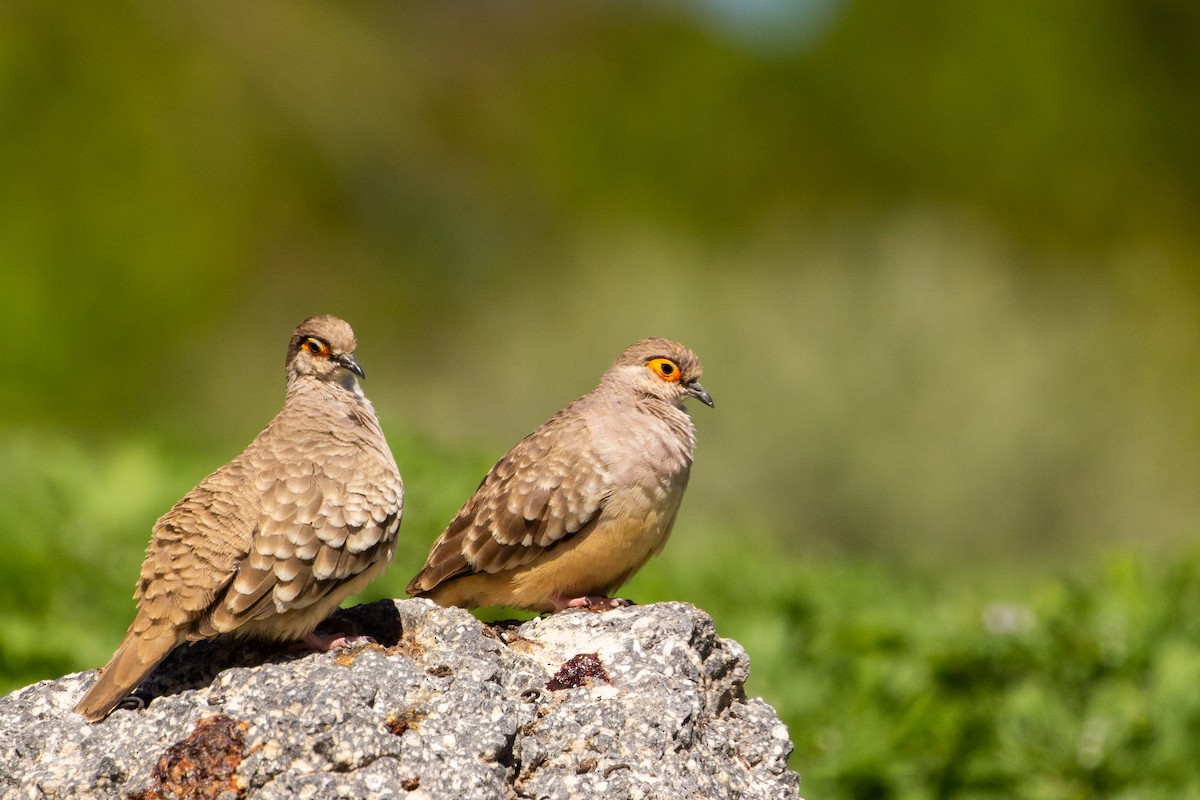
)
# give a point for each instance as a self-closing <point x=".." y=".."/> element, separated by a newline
<point x="348" y="361"/>
<point x="697" y="391"/>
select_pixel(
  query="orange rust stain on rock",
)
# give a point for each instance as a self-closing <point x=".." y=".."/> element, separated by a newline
<point x="402" y="721"/>
<point x="202" y="766"/>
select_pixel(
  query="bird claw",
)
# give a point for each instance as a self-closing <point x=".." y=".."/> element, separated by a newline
<point x="598" y="603"/>
<point x="132" y="702"/>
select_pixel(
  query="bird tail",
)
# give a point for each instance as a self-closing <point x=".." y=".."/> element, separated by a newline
<point x="140" y="652"/>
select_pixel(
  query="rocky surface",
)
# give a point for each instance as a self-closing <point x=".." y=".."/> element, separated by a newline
<point x="639" y="702"/>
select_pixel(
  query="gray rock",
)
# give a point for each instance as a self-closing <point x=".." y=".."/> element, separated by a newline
<point x="639" y="702"/>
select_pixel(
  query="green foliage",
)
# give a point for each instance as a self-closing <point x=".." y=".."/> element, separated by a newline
<point x="893" y="684"/>
<point x="74" y="524"/>
<point x="919" y="685"/>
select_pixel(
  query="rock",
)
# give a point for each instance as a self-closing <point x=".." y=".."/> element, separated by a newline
<point x="638" y="702"/>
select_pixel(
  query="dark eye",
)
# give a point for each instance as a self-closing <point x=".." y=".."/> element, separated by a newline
<point x="314" y="346"/>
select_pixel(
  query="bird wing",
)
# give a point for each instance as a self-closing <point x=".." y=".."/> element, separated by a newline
<point x="551" y="486"/>
<point x="247" y="543"/>
<point x="316" y="532"/>
<point x="194" y="551"/>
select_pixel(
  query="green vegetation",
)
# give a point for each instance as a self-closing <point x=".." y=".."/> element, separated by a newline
<point x="894" y="683"/>
<point x="919" y="686"/>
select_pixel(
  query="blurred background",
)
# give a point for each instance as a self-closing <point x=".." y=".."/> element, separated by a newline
<point x="941" y="262"/>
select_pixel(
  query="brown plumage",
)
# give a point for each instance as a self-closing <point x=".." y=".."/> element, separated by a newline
<point x="269" y="544"/>
<point x="577" y="506"/>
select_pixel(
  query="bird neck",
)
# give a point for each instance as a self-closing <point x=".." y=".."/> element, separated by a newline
<point x="343" y="391"/>
<point x="674" y="414"/>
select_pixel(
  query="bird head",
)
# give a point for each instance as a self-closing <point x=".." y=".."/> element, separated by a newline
<point x="663" y="369"/>
<point x="323" y="348"/>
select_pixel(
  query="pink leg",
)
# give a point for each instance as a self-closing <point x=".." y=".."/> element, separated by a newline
<point x="592" y="603"/>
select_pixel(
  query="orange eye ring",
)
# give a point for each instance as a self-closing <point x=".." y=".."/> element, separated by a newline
<point x="665" y="368"/>
<point x="315" y="346"/>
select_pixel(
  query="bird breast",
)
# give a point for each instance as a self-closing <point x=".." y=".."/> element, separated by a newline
<point x="651" y="450"/>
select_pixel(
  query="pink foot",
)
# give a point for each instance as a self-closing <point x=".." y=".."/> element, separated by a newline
<point x="596" y="603"/>
<point x="332" y="641"/>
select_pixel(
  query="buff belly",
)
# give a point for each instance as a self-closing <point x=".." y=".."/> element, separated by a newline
<point x="595" y="562"/>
